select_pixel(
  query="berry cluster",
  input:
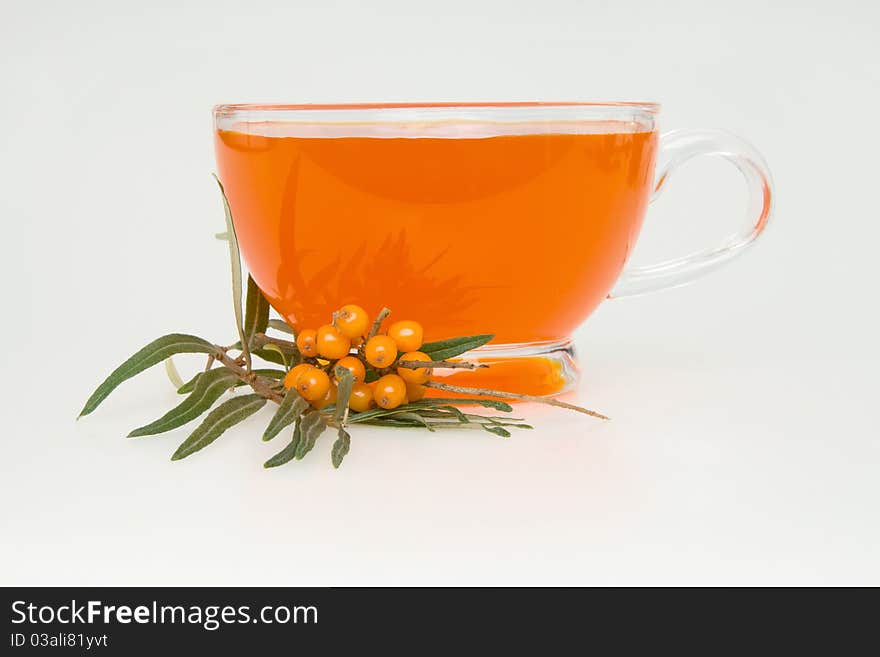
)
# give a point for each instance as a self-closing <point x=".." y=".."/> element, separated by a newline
<point x="344" y="343"/>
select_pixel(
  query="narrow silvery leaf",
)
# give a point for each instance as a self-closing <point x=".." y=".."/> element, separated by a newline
<point x="264" y="372"/>
<point x="267" y="373"/>
<point x="270" y="356"/>
<point x="289" y="452"/>
<point x="297" y="434"/>
<point x="189" y="385"/>
<point x="340" y="448"/>
<point x="408" y="413"/>
<point x="394" y="422"/>
<point x="284" y="456"/>
<point x="498" y="431"/>
<point x="227" y="414"/>
<point x="456" y="412"/>
<point x="256" y="313"/>
<point x="414" y="417"/>
<point x="155" y="352"/>
<point x="343" y="392"/>
<point x="443" y="349"/>
<point x="209" y="388"/>
<point x="486" y="403"/>
<point x="235" y="264"/>
<point x="173" y="374"/>
<point x="291" y="407"/>
<point x="280" y="325"/>
<point x="312" y="426"/>
<point x="275" y="348"/>
<point x="498" y="405"/>
<point x="427" y="403"/>
<point x="373" y="413"/>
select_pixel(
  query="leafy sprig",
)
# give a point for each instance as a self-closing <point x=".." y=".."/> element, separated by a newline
<point x="231" y="367"/>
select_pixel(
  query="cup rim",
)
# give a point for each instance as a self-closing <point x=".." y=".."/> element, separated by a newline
<point x="646" y="106"/>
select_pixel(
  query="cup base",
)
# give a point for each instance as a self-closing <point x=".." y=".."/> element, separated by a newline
<point x="541" y="369"/>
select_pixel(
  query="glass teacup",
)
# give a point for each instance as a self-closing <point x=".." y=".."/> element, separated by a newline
<point x="508" y="218"/>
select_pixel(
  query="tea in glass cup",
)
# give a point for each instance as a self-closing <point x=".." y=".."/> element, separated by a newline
<point x="514" y="219"/>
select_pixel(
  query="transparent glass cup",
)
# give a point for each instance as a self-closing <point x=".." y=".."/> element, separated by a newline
<point x="514" y="219"/>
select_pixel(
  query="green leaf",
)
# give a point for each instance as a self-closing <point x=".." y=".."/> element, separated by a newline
<point x="208" y="389"/>
<point x="340" y="448"/>
<point x="398" y="413"/>
<point x="496" y="404"/>
<point x="427" y="403"/>
<point x="443" y="349"/>
<point x="280" y="325"/>
<point x="264" y="372"/>
<point x="363" y="416"/>
<point x="498" y="431"/>
<point x="456" y="412"/>
<point x="268" y="373"/>
<point x="270" y="356"/>
<point x="227" y="414"/>
<point x="371" y="375"/>
<point x="235" y="264"/>
<point x="291" y="407"/>
<point x="275" y="348"/>
<point x="256" y="313"/>
<point x="289" y="355"/>
<point x="155" y="352"/>
<point x="343" y="393"/>
<point x="312" y="426"/>
<point x="173" y="374"/>
<point x="416" y="418"/>
<point x="189" y="385"/>
<point x="395" y="422"/>
<point x="289" y="452"/>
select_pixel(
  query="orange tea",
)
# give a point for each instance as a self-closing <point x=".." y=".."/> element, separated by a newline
<point x="521" y="234"/>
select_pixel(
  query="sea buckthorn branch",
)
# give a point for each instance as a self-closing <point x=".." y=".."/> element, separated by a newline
<point x="343" y="373"/>
<point x="328" y="385"/>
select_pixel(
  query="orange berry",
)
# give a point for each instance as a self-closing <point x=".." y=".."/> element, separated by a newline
<point x="306" y="342"/>
<point x="313" y="384"/>
<point x="331" y="343"/>
<point x="328" y="398"/>
<point x="353" y="365"/>
<point x="390" y="391"/>
<point x="407" y="334"/>
<point x="290" y="379"/>
<point x="415" y="392"/>
<point x="380" y="351"/>
<point x="352" y="321"/>
<point x="414" y="376"/>
<point x="361" y="397"/>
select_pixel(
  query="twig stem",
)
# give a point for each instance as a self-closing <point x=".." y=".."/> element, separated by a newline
<point x="440" y="364"/>
<point x="258" y="383"/>
<point x="377" y="323"/>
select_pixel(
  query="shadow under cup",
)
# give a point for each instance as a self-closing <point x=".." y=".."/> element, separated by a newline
<point x="511" y="219"/>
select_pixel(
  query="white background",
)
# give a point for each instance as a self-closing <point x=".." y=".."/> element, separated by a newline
<point x="744" y="443"/>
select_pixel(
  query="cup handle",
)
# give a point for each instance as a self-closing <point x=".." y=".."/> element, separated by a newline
<point x="676" y="148"/>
